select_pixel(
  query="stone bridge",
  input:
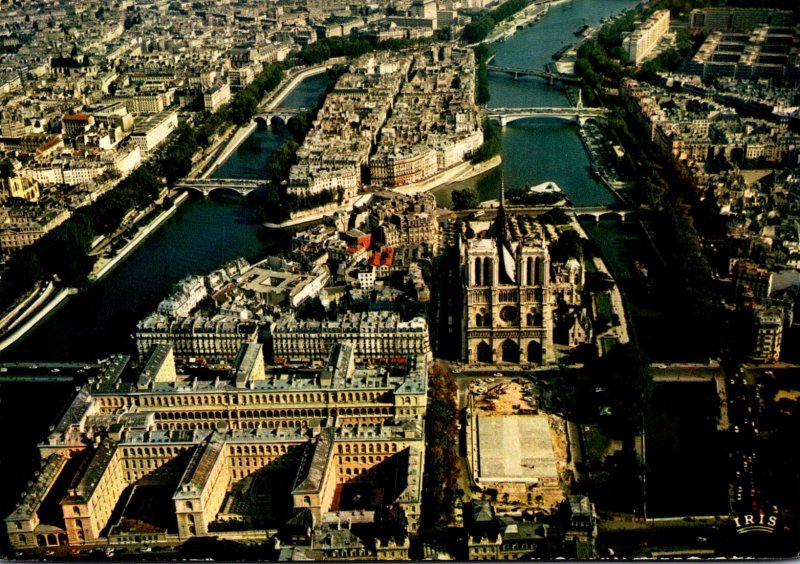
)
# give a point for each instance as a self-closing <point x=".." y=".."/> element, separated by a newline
<point x="206" y="186"/>
<point x="547" y="75"/>
<point x="578" y="114"/>
<point x="283" y="114"/>
<point x="598" y="212"/>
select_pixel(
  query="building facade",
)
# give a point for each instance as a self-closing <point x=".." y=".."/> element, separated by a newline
<point x="373" y="334"/>
<point x="768" y="335"/>
<point x="765" y="52"/>
<point x="508" y="302"/>
<point x="215" y="339"/>
<point x="154" y="130"/>
<point x="339" y="426"/>
<point x="641" y="41"/>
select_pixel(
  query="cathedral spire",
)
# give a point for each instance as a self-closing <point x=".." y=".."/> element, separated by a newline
<point x="507" y="267"/>
<point x="500" y="220"/>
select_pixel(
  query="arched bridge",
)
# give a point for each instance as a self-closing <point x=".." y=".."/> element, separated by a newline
<point x="207" y="185"/>
<point x="578" y="114"/>
<point x="547" y="75"/>
<point x="284" y="114"/>
<point x="598" y="212"/>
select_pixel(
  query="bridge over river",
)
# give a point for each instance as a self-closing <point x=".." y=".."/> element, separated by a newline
<point x="547" y="75"/>
<point x="579" y="114"/>
<point x="207" y="185"/>
<point x="597" y="212"/>
<point x="283" y="114"/>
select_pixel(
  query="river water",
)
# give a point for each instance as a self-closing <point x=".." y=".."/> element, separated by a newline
<point x="250" y="159"/>
<point x="205" y="233"/>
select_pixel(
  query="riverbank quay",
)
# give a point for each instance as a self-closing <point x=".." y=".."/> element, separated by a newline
<point x="39" y="303"/>
<point x="51" y="297"/>
<point x="509" y="27"/>
<point x="18" y="313"/>
<point x="220" y="153"/>
<point x="316" y="214"/>
<point x="292" y="80"/>
<point x="456" y="173"/>
<point x="37" y="314"/>
<point x="596" y="144"/>
<point x="232" y="139"/>
<point x="104" y="265"/>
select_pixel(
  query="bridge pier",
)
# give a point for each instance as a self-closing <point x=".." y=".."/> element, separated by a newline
<point x="503" y="121"/>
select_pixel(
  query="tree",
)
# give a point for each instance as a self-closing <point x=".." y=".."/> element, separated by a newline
<point x="465" y="199"/>
<point x="440" y="481"/>
<point x="568" y="245"/>
<point x="483" y="51"/>
<point x="625" y="374"/>
<point x="598" y="282"/>
<point x="482" y="94"/>
<point x="281" y="161"/>
<point x="478" y="30"/>
<point x="491" y="145"/>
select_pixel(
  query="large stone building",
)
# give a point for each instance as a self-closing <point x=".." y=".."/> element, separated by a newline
<point x="641" y="42"/>
<point x="765" y="52"/>
<point x="154" y="130"/>
<point x="151" y="456"/>
<point x="373" y="334"/>
<point x="739" y="19"/>
<point x="505" y="270"/>
<point x="398" y="219"/>
<point x="768" y="335"/>
<point x="216" y="339"/>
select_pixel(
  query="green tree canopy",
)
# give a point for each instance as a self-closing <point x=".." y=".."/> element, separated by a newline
<point x="625" y="374"/>
<point x="465" y="199"/>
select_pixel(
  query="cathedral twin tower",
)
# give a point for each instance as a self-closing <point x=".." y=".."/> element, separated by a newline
<point x="505" y="270"/>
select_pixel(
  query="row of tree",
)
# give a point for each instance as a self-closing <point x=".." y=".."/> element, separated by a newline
<point x="354" y="46"/>
<point x="664" y="184"/>
<point x="479" y="29"/>
<point x="63" y="252"/>
<point x="244" y="104"/>
<point x="278" y="204"/>
<point x="483" y="52"/>
<point x="492" y="145"/>
<point x="440" y="482"/>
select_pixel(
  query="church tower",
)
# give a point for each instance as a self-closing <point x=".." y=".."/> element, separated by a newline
<point x="505" y="267"/>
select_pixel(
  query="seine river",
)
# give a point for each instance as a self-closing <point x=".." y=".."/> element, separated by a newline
<point x="205" y="233"/>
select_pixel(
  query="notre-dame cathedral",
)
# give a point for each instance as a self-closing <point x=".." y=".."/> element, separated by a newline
<point x="505" y="269"/>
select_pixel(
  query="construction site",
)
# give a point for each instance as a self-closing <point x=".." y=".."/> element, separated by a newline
<point x="517" y="455"/>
